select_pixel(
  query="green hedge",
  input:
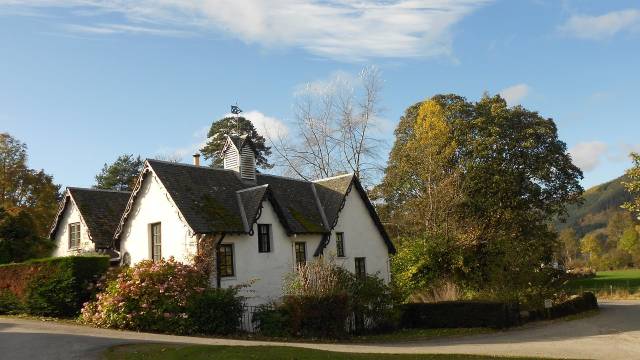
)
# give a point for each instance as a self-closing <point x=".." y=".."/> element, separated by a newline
<point x="215" y="311"/>
<point x="459" y="314"/>
<point x="52" y="286"/>
<point x="585" y="302"/>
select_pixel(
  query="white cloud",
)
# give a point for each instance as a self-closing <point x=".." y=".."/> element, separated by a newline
<point x="347" y="30"/>
<point x="588" y="155"/>
<point x="267" y="126"/>
<point x="602" y="26"/>
<point x="514" y="94"/>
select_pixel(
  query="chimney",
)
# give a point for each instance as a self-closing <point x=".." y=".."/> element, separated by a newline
<point x="196" y="159"/>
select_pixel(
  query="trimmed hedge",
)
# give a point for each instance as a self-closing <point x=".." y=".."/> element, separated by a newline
<point x="53" y="286"/>
<point x="318" y="316"/>
<point x="459" y="314"/>
<point x="585" y="302"/>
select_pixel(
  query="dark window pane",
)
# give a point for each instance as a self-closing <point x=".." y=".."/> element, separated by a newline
<point x="264" y="238"/>
<point x="301" y="253"/>
<point x="340" y="244"/>
<point x="361" y="270"/>
<point x="225" y="260"/>
<point x="156" y="242"/>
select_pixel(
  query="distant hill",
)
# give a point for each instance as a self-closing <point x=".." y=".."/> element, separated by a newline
<point x="600" y="202"/>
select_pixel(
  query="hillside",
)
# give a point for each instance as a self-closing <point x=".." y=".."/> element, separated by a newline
<point x="600" y="202"/>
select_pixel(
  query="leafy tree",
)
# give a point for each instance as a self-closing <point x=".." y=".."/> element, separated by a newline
<point x="630" y="243"/>
<point x="617" y="225"/>
<point x="425" y="179"/>
<point x="19" y="239"/>
<point x="633" y="185"/>
<point x="232" y="125"/>
<point x="22" y="188"/>
<point x="590" y="245"/>
<point x="515" y="177"/>
<point x="570" y="244"/>
<point x="121" y="175"/>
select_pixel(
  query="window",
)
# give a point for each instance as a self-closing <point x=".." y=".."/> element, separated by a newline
<point x="74" y="235"/>
<point x="156" y="242"/>
<point x="301" y="253"/>
<point x="361" y="268"/>
<point x="264" y="238"/>
<point x="340" y="244"/>
<point x="225" y="260"/>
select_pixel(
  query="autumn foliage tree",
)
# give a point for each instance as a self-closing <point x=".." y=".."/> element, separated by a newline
<point x="501" y="175"/>
<point x="25" y="189"/>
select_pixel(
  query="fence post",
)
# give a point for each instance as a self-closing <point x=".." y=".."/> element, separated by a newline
<point x="611" y="290"/>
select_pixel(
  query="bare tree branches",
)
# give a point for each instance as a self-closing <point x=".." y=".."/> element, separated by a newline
<point x="335" y="122"/>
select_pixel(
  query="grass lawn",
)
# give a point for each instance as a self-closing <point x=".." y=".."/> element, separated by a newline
<point x="197" y="352"/>
<point x="619" y="279"/>
<point x="419" y="334"/>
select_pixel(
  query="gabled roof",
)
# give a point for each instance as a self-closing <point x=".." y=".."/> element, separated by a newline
<point x="216" y="200"/>
<point x="100" y="211"/>
<point x="332" y="192"/>
<point x="239" y="141"/>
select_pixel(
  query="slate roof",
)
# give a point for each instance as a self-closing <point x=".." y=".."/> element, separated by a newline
<point x="331" y="192"/>
<point x="101" y="211"/>
<point x="217" y="200"/>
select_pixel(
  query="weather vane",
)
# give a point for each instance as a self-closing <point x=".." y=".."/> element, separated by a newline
<point x="235" y="109"/>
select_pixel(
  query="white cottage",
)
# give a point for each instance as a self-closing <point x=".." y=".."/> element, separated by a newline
<point x="86" y="221"/>
<point x="262" y="225"/>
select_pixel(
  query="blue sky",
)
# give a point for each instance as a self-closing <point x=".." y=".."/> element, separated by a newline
<point x="84" y="81"/>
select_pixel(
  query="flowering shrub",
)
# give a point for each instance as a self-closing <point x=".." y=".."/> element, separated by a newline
<point x="151" y="296"/>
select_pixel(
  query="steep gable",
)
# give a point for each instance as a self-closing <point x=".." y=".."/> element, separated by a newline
<point x="100" y="211"/>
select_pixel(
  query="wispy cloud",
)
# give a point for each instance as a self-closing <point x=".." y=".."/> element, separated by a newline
<point x="514" y="94"/>
<point x="107" y="29"/>
<point x="588" y="155"/>
<point x="598" y="27"/>
<point x="347" y="30"/>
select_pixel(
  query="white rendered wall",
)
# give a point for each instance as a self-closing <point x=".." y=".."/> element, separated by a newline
<point x="361" y="239"/>
<point x="266" y="269"/>
<point x="71" y="215"/>
<point x="154" y="205"/>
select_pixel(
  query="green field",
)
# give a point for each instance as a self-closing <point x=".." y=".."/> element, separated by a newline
<point x="605" y="280"/>
<point x="198" y="352"/>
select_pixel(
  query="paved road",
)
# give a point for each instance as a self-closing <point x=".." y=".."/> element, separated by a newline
<point x="612" y="334"/>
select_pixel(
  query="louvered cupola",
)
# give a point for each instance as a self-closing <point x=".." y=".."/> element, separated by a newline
<point x="239" y="155"/>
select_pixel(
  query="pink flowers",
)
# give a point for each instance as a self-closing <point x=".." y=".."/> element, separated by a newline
<point x="149" y="296"/>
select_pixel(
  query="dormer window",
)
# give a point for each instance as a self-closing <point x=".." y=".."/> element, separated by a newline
<point x="239" y="155"/>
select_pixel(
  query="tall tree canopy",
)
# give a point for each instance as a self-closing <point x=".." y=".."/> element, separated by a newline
<point x="507" y="175"/>
<point x="233" y="125"/>
<point x="19" y="238"/>
<point x="633" y="185"/>
<point x="25" y="189"/>
<point x="121" y="174"/>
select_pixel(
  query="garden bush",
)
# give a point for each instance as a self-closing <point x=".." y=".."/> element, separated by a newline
<point x="151" y="296"/>
<point x="215" y="311"/>
<point x="53" y="286"/>
<point x="459" y="314"/>
<point x="9" y="303"/>
<point x="324" y="300"/>
<point x="317" y="316"/>
<point x="164" y="296"/>
<point x="272" y="320"/>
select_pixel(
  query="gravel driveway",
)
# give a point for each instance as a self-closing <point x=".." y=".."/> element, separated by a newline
<point x="612" y="334"/>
